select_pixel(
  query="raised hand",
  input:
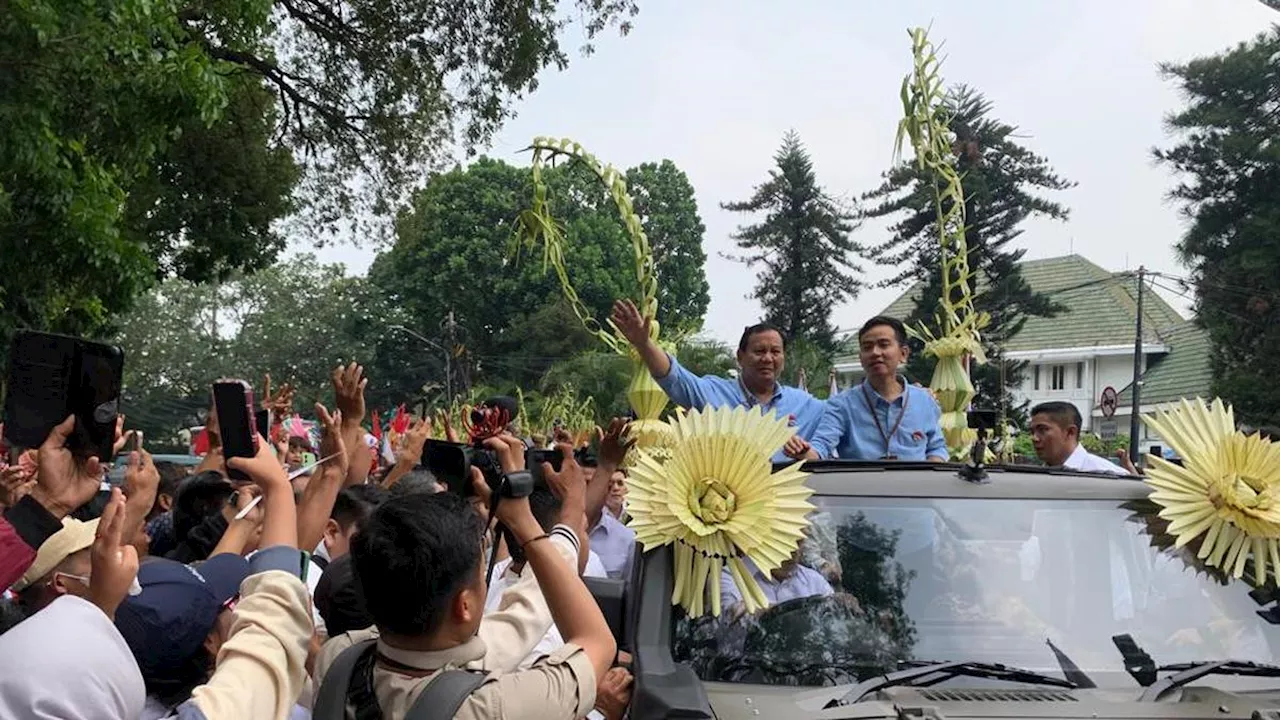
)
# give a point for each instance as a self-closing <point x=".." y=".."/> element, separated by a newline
<point x="331" y="440"/>
<point x="114" y="565"/>
<point x="63" y="483"/>
<point x="348" y="390"/>
<point x="510" y="452"/>
<point x="569" y="484"/>
<point x="413" y="442"/>
<point x="281" y="403"/>
<point x="122" y="437"/>
<point x="614" y="443"/>
<point x="633" y="325"/>
<point x="264" y="469"/>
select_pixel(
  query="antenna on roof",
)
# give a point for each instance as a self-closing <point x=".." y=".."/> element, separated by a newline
<point x="1071" y="245"/>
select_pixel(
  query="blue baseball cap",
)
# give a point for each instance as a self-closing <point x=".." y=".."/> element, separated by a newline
<point x="168" y="621"/>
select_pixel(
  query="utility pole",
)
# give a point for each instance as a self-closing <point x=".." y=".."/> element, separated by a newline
<point x="449" y="326"/>
<point x="1135" y="397"/>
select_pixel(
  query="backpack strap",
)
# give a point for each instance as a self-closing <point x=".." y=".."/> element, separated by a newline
<point x="320" y="562"/>
<point x="331" y="698"/>
<point x="442" y="697"/>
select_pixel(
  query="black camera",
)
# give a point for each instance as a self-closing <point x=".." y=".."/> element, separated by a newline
<point x="983" y="419"/>
<point x="451" y="463"/>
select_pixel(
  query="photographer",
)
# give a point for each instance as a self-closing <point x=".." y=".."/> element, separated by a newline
<point x="419" y="561"/>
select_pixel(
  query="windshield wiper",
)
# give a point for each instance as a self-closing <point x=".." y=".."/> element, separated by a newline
<point x="921" y="677"/>
<point x="1190" y="672"/>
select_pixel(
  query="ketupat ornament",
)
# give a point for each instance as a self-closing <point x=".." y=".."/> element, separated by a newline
<point x="718" y="500"/>
<point x="1227" y="490"/>
<point x="536" y="226"/>
<point x="926" y="125"/>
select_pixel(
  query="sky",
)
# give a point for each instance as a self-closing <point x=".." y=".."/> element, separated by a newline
<point x="714" y="85"/>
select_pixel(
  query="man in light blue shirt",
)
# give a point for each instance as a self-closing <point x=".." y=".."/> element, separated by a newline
<point x="883" y="417"/>
<point x="761" y="357"/>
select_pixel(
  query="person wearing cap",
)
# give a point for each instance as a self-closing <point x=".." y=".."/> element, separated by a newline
<point x="177" y="624"/>
<point x="761" y="357"/>
<point x="62" y="485"/>
<point x="61" y="567"/>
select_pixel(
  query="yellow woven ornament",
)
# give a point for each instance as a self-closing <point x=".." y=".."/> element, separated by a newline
<point x="718" y="500"/>
<point x="1227" y="491"/>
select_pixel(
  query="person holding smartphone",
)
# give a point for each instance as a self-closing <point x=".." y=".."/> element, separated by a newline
<point x="439" y="620"/>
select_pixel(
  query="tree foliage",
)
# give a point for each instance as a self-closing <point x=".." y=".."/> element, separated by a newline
<point x="373" y="94"/>
<point x="1229" y="163"/>
<point x="802" y="247"/>
<point x="1002" y="179"/>
<point x="456" y="253"/>
<point x="145" y="139"/>
<point x="295" y="321"/>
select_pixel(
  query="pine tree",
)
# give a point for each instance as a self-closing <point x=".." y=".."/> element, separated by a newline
<point x="803" y="246"/>
<point x="1000" y="177"/>
<point x="1228" y="163"/>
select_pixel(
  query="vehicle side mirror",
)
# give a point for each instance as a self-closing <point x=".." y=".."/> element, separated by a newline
<point x="610" y="594"/>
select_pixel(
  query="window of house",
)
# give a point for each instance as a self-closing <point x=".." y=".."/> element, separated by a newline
<point x="1079" y="375"/>
<point x="1035" y="374"/>
<point x="1059" y="379"/>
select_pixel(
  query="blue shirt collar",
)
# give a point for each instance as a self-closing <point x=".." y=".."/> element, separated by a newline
<point x="880" y="398"/>
<point x="752" y="400"/>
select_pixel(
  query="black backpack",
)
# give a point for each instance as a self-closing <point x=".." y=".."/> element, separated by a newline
<point x="350" y="681"/>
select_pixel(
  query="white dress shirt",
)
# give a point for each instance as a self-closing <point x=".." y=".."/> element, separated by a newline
<point x="1081" y="459"/>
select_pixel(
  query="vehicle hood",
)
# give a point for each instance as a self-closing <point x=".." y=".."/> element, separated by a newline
<point x="731" y="701"/>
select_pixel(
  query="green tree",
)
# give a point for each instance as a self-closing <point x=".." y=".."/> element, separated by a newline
<point x="117" y="166"/>
<point x="455" y="253"/>
<point x="211" y="202"/>
<point x="802" y="246"/>
<point x="1229" y="163"/>
<point x="706" y="356"/>
<point x="90" y="97"/>
<point x="295" y="320"/>
<point x="1002" y="182"/>
<point x="664" y="200"/>
<point x="373" y="94"/>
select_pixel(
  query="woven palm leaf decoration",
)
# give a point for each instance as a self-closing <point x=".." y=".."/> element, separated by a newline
<point x="718" y="501"/>
<point x="537" y="227"/>
<point x="926" y="125"/>
<point x="1226" y="494"/>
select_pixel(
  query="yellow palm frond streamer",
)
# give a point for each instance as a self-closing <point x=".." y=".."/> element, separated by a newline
<point x="718" y="501"/>
<point x="926" y="125"/>
<point x="536" y="226"/>
<point x="1227" y="492"/>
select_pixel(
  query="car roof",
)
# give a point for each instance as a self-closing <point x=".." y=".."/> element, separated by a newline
<point x="943" y="480"/>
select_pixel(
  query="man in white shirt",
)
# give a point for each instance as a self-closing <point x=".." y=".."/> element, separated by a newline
<point x="1055" y="433"/>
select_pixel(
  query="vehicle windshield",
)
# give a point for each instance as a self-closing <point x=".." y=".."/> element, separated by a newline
<point x="886" y="580"/>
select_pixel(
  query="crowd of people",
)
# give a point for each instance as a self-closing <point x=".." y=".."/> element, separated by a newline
<point x="358" y="584"/>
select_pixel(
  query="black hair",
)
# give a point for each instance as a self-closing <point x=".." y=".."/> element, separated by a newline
<point x="339" y="599"/>
<point x="297" y="441"/>
<point x="412" y="556"/>
<point x="899" y="330"/>
<point x="11" y="613"/>
<point x="752" y="330"/>
<point x="1064" y="414"/>
<point x="545" y="507"/>
<point x="418" y="480"/>
<point x="354" y="504"/>
<point x="199" y="497"/>
<point x="171" y="476"/>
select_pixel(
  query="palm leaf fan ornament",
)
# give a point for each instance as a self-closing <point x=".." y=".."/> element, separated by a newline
<point x="1226" y="493"/>
<point x="925" y="125"/>
<point x="536" y="226"/>
<point x="718" y="501"/>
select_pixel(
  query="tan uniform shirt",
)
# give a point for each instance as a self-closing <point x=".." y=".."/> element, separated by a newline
<point x="563" y="685"/>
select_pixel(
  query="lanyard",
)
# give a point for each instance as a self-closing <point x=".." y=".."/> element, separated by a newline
<point x="866" y="396"/>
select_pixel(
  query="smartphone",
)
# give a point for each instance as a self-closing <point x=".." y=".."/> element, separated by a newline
<point x="53" y="376"/>
<point x="262" y="421"/>
<point x="236" y="426"/>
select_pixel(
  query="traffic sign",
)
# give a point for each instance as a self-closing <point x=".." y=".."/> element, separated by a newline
<point x="1107" y="429"/>
<point x="1110" y="399"/>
